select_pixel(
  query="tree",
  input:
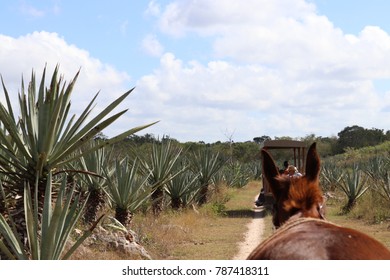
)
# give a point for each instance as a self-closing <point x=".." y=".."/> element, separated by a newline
<point x="261" y="139"/>
<point x="358" y="137"/>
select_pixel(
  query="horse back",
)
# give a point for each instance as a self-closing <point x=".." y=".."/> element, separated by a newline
<point x="314" y="239"/>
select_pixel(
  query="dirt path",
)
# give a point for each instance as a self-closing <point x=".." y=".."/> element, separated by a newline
<point x="253" y="236"/>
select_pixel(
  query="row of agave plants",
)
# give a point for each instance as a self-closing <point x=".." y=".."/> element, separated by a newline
<point x="54" y="173"/>
<point x="356" y="179"/>
<point x="167" y="177"/>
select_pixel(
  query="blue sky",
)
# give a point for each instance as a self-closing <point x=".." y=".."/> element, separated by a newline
<point x="211" y="70"/>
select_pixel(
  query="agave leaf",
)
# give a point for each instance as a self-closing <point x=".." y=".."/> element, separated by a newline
<point x="31" y="224"/>
<point x="47" y="208"/>
<point x="104" y="143"/>
<point x="7" y="98"/>
<point x="6" y="251"/>
<point x="13" y="240"/>
<point x="12" y="129"/>
<point x="16" y="250"/>
<point x="94" y="125"/>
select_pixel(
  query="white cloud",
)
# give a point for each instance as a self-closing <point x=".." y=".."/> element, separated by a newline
<point x="279" y="69"/>
<point x="19" y="56"/>
<point x="31" y="11"/>
<point x="153" y="9"/>
<point x="288" y="34"/>
<point x="251" y="100"/>
<point x="152" y="46"/>
<point x="213" y="17"/>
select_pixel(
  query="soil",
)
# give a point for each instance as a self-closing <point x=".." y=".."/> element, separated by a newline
<point x="253" y="236"/>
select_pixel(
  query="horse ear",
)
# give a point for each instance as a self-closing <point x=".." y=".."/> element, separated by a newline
<point x="312" y="163"/>
<point x="270" y="172"/>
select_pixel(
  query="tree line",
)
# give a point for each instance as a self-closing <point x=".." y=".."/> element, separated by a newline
<point x="351" y="137"/>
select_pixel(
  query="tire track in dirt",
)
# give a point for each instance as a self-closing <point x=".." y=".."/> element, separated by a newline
<point x="253" y="236"/>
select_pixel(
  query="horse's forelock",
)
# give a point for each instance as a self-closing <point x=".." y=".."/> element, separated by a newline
<point x="303" y="195"/>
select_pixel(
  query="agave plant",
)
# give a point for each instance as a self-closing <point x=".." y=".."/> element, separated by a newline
<point x="47" y="236"/>
<point x="236" y="174"/>
<point x="377" y="166"/>
<point x="127" y="189"/>
<point x="205" y="164"/>
<point x="183" y="189"/>
<point x="378" y="170"/>
<point x="161" y="169"/>
<point x="354" y="184"/>
<point x="255" y="169"/>
<point x="90" y="169"/>
<point x="45" y="136"/>
<point x="382" y="186"/>
<point x="331" y="175"/>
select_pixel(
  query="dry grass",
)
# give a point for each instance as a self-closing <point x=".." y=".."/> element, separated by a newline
<point x="211" y="232"/>
<point x="99" y="252"/>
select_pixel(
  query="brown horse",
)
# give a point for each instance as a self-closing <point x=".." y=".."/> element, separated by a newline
<point x="303" y="232"/>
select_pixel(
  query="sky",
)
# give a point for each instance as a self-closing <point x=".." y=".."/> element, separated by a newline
<point x="210" y="70"/>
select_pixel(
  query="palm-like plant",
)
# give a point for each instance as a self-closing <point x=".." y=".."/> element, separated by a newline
<point x="378" y="170"/>
<point x="331" y="175"/>
<point x="127" y="189"/>
<point x="183" y="189"/>
<point x="161" y="168"/>
<point x="236" y="174"/>
<point x="354" y="184"/>
<point x="45" y="136"/>
<point x="205" y="164"/>
<point x="90" y="169"/>
<point x="255" y="169"/>
<point x="382" y="186"/>
<point x="47" y="236"/>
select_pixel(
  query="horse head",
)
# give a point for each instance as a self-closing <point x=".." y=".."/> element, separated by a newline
<point x="295" y="197"/>
<point x="306" y="235"/>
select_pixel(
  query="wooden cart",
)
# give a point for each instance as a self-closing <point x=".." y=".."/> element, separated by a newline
<point x="298" y="156"/>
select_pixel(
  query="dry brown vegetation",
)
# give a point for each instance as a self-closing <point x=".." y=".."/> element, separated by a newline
<point x="210" y="232"/>
<point x="213" y="231"/>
